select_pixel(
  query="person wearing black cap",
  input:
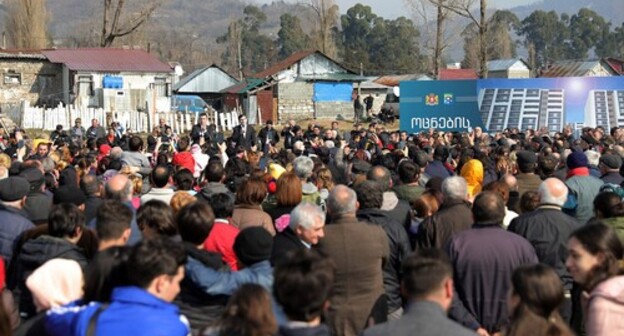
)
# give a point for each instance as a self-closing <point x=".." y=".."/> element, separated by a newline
<point x="582" y="185"/>
<point x="13" y="219"/>
<point x="610" y="169"/>
<point x="527" y="179"/>
<point x="38" y="202"/>
<point x="252" y="247"/>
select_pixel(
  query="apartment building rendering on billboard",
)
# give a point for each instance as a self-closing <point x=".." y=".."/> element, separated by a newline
<point x="605" y="108"/>
<point x="522" y="108"/>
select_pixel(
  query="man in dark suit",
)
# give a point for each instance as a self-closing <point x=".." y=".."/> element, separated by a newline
<point x="244" y="135"/>
<point x="203" y="129"/>
<point x="305" y="229"/>
<point x="428" y="285"/>
<point x="268" y="137"/>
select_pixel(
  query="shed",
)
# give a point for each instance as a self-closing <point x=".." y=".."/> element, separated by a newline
<point x="508" y="68"/>
<point x="595" y="68"/>
<point x="207" y="82"/>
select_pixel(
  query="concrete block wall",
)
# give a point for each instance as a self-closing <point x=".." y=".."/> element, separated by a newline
<point x="39" y="80"/>
<point x="295" y="101"/>
<point x="334" y="110"/>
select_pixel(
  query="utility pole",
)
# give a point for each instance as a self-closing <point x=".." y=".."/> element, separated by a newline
<point x="361" y="69"/>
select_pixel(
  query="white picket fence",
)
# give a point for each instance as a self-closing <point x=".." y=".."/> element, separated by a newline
<point x="29" y="117"/>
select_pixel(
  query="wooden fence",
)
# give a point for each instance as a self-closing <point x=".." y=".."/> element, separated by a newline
<point x="29" y="117"/>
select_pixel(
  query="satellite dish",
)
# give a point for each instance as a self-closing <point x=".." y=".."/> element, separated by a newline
<point x="178" y="70"/>
<point x="396" y="91"/>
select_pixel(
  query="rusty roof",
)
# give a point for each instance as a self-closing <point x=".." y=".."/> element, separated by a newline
<point x="616" y="64"/>
<point x="452" y="74"/>
<point x="107" y="60"/>
<point x="393" y="80"/>
<point x="575" y="68"/>
<point x="22" y="54"/>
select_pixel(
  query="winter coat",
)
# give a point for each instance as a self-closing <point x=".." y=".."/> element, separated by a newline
<point x="398" y="209"/>
<point x="408" y="193"/>
<point x="245" y="216"/>
<point x="585" y="189"/>
<point x="453" y="216"/>
<point x="605" y="308"/>
<point x="38" y="205"/>
<point x="617" y="223"/>
<point x="215" y="282"/>
<point x="283" y="242"/>
<point x="399" y="248"/>
<point x="213" y="188"/>
<point x="13" y="222"/>
<point x="184" y="160"/>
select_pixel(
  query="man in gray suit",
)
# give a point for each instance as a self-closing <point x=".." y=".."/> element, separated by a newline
<point x="428" y="285"/>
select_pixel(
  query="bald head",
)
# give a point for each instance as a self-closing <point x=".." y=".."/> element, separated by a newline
<point x="382" y="176"/>
<point x="342" y="201"/>
<point x="488" y="208"/>
<point x="510" y="181"/>
<point x="553" y="192"/>
<point x="119" y="187"/>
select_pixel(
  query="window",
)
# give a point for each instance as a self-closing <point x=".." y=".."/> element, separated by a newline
<point x="12" y="78"/>
<point x="161" y="87"/>
<point x="85" y="85"/>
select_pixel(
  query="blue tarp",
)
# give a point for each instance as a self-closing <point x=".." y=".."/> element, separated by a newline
<point x="333" y="92"/>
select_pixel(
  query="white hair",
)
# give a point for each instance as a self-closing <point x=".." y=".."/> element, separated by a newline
<point x="330" y="144"/>
<point x="553" y="191"/>
<point x="303" y="167"/>
<point x="305" y="215"/>
<point x="455" y="187"/>
<point x="593" y="157"/>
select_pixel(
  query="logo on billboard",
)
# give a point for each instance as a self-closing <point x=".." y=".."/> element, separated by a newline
<point x="432" y="99"/>
<point x="448" y="99"/>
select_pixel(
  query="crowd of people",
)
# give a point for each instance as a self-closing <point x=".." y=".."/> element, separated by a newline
<point x="311" y="231"/>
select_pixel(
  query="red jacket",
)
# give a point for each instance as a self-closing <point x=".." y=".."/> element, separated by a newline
<point x="184" y="160"/>
<point x="221" y="240"/>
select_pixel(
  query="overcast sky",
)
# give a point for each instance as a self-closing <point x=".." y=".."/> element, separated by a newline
<point x="395" y="8"/>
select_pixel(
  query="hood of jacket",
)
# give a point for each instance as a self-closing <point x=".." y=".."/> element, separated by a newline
<point x="473" y="172"/>
<point x="611" y="289"/>
<point x="43" y="248"/>
<point x="390" y="201"/>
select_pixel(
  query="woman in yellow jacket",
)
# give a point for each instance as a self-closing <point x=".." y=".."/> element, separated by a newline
<point x="472" y="171"/>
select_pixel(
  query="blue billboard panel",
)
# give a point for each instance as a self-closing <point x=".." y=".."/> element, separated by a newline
<point x="443" y="105"/>
<point x="333" y="92"/>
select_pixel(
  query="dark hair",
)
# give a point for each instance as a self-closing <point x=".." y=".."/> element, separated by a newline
<point x="214" y="172"/>
<point x="160" y="176"/>
<point x="529" y="201"/>
<point x="251" y="192"/>
<point x="64" y="219"/>
<point x="106" y="271"/>
<point x="499" y="187"/>
<point x="609" y="204"/>
<point x="90" y="185"/>
<point x="154" y="257"/>
<point x="112" y="219"/>
<point x="424" y="272"/>
<point x="195" y="222"/>
<point x="369" y="195"/>
<point x="248" y="313"/>
<point x="135" y="144"/>
<point x="597" y="239"/>
<point x="541" y="293"/>
<point x="303" y="282"/>
<point x="183" y="143"/>
<point x="158" y="216"/>
<point x="488" y="208"/>
<point x="222" y="205"/>
<point x="408" y="172"/>
<point x="184" y="179"/>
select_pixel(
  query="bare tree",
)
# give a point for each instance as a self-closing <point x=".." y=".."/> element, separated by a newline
<point x="117" y="23"/>
<point x="326" y="19"/>
<point x="464" y="8"/>
<point x="27" y="23"/>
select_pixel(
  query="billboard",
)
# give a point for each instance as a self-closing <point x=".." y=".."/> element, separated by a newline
<point x="532" y="103"/>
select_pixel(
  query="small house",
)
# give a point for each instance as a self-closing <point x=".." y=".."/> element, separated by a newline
<point x="596" y="68"/>
<point x="508" y="68"/>
<point x="207" y="83"/>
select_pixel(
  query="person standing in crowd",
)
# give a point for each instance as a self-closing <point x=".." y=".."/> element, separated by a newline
<point x="610" y="169"/>
<point x="547" y="229"/>
<point x="38" y="201"/>
<point x="244" y="135"/>
<point x="369" y="101"/>
<point x="203" y="132"/>
<point x="370" y="198"/>
<point x="142" y="308"/>
<point x="398" y="209"/>
<point x="453" y="216"/>
<point x="485" y="257"/>
<point x="77" y="133"/>
<point x="527" y="179"/>
<point x="594" y="260"/>
<point x="428" y="286"/>
<point x="536" y="293"/>
<point x="358" y="285"/>
<point x="303" y="284"/>
<point x="358" y="110"/>
<point x="92" y="188"/>
<point x="160" y="183"/>
<point x="268" y="137"/>
<point x="135" y="159"/>
<point x="112" y="224"/>
<point x="223" y="234"/>
<point x="305" y="229"/>
<point x="95" y="131"/>
<point x="409" y="190"/>
<point x="13" y="219"/>
<point x="502" y="189"/>
<point x="582" y="185"/>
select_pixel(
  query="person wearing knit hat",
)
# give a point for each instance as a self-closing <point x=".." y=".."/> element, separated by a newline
<point x="252" y="247"/>
<point x="583" y="187"/>
<point x="609" y="166"/>
<point x="56" y="283"/>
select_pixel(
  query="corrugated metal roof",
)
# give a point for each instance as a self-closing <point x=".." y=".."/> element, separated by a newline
<point x="200" y="80"/>
<point x="285" y="64"/>
<point x="452" y="74"/>
<point x="574" y="68"/>
<point x="503" y="64"/>
<point x="244" y="86"/>
<point x="370" y="86"/>
<point x="616" y="64"/>
<point x="393" y="80"/>
<point x="22" y="53"/>
<point x="334" y="77"/>
<point x="108" y="60"/>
